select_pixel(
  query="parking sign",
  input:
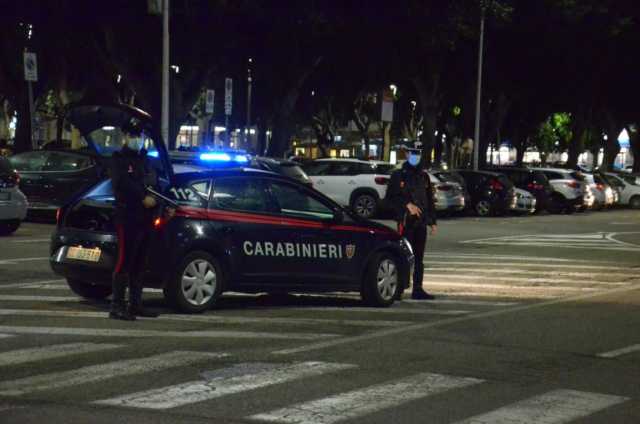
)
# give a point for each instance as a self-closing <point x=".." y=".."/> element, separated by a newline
<point x="30" y="67"/>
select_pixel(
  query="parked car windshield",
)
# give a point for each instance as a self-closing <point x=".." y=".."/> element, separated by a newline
<point x="293" y="171"/>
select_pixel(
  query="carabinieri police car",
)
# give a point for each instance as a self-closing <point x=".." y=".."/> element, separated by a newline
<point x="234" y="229"/>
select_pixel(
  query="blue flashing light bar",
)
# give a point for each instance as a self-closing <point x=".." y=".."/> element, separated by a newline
<point x="220" y="157"/>
<point x="241" y="159"/>
<point x="153" y="153"/>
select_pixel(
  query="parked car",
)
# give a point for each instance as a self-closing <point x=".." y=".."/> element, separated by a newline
<point x="526" y="203"/>
<point x="491" y="193"/>
<point x="284" y="167"/>
<point x="51" y="178"/>
<point x="448" y="195"/>
<point x="629" y="188"/>
<point x="13" y="204"/>
<point x="602" y="191"/>
<point x="351" y="182"/>
<point x="533" y="182"/>
<point x="570" y="192"/>
<point x="452" y="177"/>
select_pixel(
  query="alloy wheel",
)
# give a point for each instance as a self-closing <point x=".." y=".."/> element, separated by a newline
<point x="387" y="279"/>
<point x="365" y="205"/>
<point x="199" y="282"/>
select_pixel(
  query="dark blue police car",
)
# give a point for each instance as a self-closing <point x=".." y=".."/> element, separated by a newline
<point x="237" y="229"/>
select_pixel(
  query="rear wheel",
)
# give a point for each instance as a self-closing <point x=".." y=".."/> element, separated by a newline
<point x="196" y="284"/>
<point x="89" y="290"/>
<point x="364" y="205"/>
<point x="483" y="208"/>
<point x="634" y="202"/>
<point x="381" y="281"/>
<point x="8" y="227"/>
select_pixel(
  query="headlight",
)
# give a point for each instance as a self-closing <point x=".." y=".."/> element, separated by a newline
<point x="407" y="244"/>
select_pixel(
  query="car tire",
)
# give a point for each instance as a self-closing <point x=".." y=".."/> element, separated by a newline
<point x="634" y="202"/>
<point x="89" y="290"/>
<point x="381" y="280"/>
<point x="9" y="227"/>
<point x="196" y="284"/>
<point x="483" y="208"/>
<point x="365" y="205"/>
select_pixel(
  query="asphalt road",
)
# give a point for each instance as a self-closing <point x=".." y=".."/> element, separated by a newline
<point x="536" y="321"/>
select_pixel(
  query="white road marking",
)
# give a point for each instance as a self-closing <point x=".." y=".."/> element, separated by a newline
<point x="30" y="284"/>
<point x="27" y="298"/>
<point x="31" y="240"/>
<point x="209" y="318"/>
<point x="556" y="407"/>
<point x="358" y="403"/>
<point x="497" y="256"/>
<point x="203" y="390"/>
<point x="100" y="372"/>
<point x="21" y="356"/>
<point x="536" y="272"/>
<point x="110" y="332"/>
<point x="383" y="310"/>
<point x="442" y="283"/>
<point x="462" y="302"/>
<point x="500" y="265"/>
<point x="17" y="261"/>
<point x="428" y="275"/>
<point x="620" y="352"/>
<point x="448" y="321"/>
<point x="5" y="336"/>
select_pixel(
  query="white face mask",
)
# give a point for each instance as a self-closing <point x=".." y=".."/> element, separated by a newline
<point x="413" y="159"/>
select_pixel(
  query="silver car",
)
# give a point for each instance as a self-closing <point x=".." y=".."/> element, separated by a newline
<point x="449" y="195"/>
<point x="525" y="202"/>
<point x="13" y="204"/>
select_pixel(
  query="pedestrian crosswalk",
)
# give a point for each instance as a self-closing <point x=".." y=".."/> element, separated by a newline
<point x="219" y="380"/>
<point x="591" y="241"/>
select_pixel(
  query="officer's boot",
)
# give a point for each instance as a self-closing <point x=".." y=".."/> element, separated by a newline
<point x="118" y="307"/>
<point x="135" y="302"/>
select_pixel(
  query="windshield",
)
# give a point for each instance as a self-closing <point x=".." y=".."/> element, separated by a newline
<point x="293" y="171"/>
<point x="111" y="139"/>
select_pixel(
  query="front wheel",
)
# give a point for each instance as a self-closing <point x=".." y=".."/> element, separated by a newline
<point x="381" y="281"/>
<point x="634" y="203"/>
<point x="196" y="284"/>
<point x="89" y="290"/>
<point x="483" y="208"/>
<point x="364" y="205"/>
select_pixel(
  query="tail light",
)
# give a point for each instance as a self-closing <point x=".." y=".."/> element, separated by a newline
<point x="444" y="187"/>
<point x="600" y="186"/>
<point x="496" y="185"/>
<point x="572" y="184"/>
<point x="58" y="216"/>
<point x="381" y="180"/>
<point x="535" y="186"/>
<point x="158" y="223"/>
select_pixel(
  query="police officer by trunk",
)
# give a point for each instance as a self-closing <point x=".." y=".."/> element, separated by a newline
<point x="410" y="196"/>
<point x="130" y="176"/>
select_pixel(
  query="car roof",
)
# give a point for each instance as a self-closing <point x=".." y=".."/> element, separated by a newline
<point x="343" y="160"/>
<point x="228" y="172"/>
<point x="492" y="173"/>
<point x="278" y="161"/>
<point x="509" y="168"/>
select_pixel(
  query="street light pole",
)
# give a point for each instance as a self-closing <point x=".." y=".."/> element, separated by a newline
<point x="248" y="126"/>
<point x="165" y="72"/>
<point x="476" y="134"/>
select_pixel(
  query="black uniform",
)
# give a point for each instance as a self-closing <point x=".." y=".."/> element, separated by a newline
<point x="130" y="176"/>
<point x="411" y="184"/>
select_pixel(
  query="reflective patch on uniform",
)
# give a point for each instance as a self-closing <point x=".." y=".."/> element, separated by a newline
<point x="297" y="250"/>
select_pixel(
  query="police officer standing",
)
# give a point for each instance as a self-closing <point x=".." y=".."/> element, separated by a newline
<point x="133" y="206"/>
<point x="410" y="195"/>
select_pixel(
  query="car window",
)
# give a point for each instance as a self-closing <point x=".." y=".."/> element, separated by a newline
<point x="240" y="194"/>
<point x="192" y="193"/>
<point x="294" y="202"/>
<point x="64" y="162"/>
<point x="384" y="169"/>
<point x="343" y="168"/>
<point x="365" y="168"/>
<point x="540" y="178"/>
<point x="293" y="171"/>
<point x="554" y="175"/>
<point x="318" y="168"/>
<point x="30" y="161"/>
<point x="505" y="181"/>
<point x="631" y="179"/>
<point x="615" y="181"/>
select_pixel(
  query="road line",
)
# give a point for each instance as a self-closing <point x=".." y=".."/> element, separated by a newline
<point x="441" y="283"/>
<point x="542" y="280"/>
<point x="27" y="298"/>
<point x="462" y="302"/>
<point x="17" y="261"/>
<point x="100" y="372"/>
<point x="448" y="321"/>
<point x="620" y="352"/>
<point x="556" y="407"/>
<point x="382" y="310"/>
<point x="507" y="257"/>
<point x="208" y="318"/>
<point x="203" y="390"/>
<point x="6" y="336"/>
<point x="29" y="284"/>
<point x="21" y="356"/>
<point x="358" y="403"/>
<point x="31" y="240"/>
<point x="563" y="246"/>
<point x="109" y="332"/>
<point x="533" y="272"/>
<point x="532" y="265"/>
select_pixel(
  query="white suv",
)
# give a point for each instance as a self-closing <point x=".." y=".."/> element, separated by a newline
<point x="629" y="187"/>
<point x="570" y="192"/>
<point x="351" y="182"/>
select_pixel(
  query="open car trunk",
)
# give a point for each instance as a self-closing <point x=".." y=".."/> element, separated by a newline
<point x="94" y="211"/>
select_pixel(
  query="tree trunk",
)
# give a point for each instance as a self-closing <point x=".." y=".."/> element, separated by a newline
<point x="543" y="158"/>
<point x="611" y="147"/>
<point x="437" y="150"/>
<point x="634" y="145"/>
<point x="261" y="139"/>
<point x="428" y="94"/>
<point x="576" y="145"/>
<point x="23" y="129"/>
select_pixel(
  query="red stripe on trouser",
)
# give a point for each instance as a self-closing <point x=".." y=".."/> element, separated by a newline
<point x="120" y="232"/>
<point x="400" y="229"/>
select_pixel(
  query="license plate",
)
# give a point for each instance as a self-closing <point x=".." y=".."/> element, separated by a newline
<point x="5" y="196"/>
<point x="84" y="254"/>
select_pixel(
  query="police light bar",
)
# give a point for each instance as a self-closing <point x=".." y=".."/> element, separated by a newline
<point x="222" y="157"/>
<point x="153" y="153"/>
<point x="241" y="158"/>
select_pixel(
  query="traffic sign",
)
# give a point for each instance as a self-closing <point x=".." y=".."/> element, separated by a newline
<point x="228" y="96"/>
<point x="30" y="67"/>
<point x="209" y="101"/>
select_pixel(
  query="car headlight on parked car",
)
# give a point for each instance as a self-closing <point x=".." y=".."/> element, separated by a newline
<point x="408" y="245"/>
